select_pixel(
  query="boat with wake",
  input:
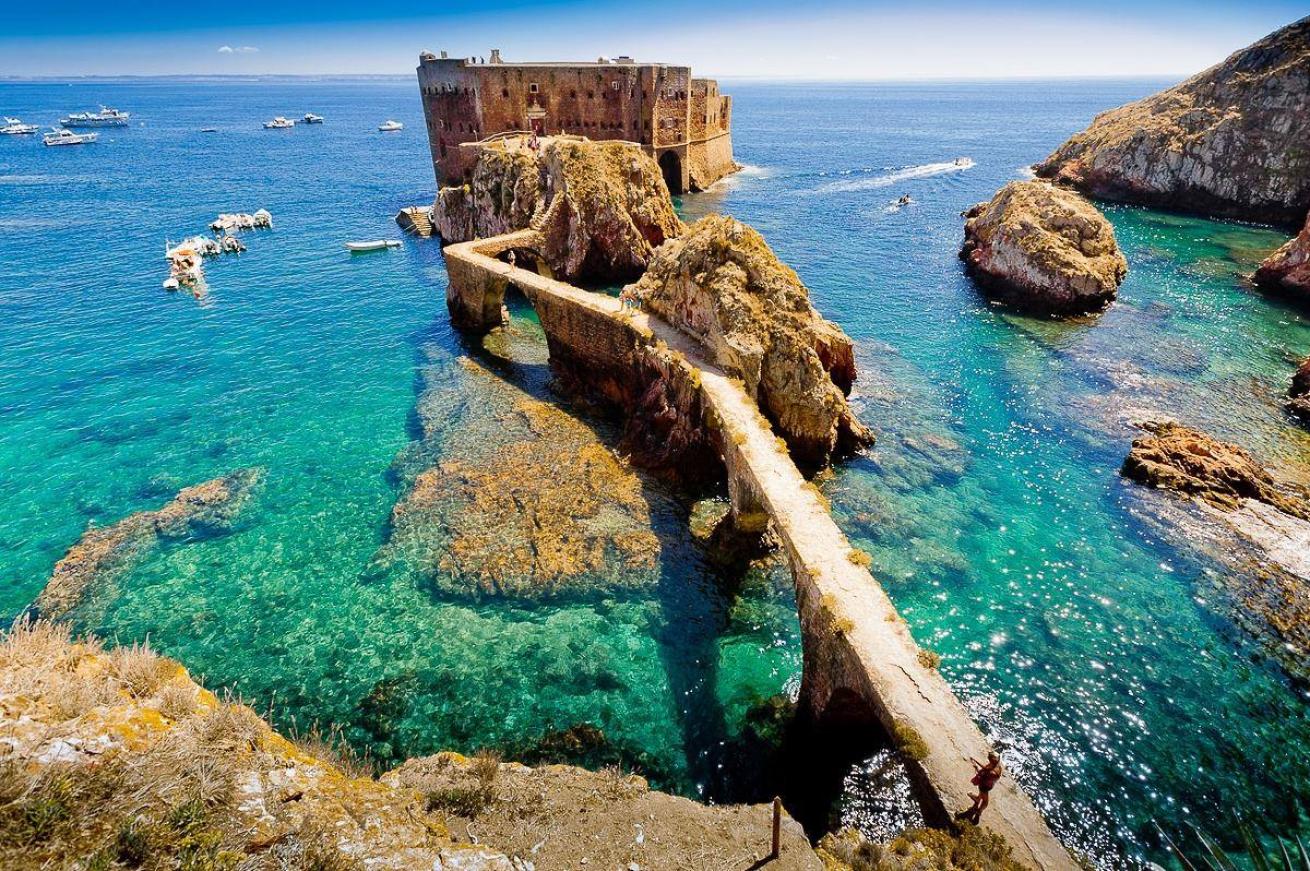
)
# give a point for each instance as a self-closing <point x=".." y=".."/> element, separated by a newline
<point x="390" y="126"/>
<point x="15" y="127"/>
<point x="106" y="117"/>
<point x="64" y="136"/>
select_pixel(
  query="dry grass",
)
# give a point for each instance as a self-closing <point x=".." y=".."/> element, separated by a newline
<point x="859" y="557"/>
<point x="141" y="671"/>
<point x="909" y="742"/>
<point x="918" y="850"/>
<point x="332" y="747"/>
<point x="929" y="659"/>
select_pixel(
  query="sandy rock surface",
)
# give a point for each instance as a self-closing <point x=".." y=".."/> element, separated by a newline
<point x="1043" y="249"/>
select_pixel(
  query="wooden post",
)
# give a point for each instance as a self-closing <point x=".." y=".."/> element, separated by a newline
<point x="777" y="828"/>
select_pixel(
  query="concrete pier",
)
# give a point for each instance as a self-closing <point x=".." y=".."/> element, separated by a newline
<point x="860" y="662"/>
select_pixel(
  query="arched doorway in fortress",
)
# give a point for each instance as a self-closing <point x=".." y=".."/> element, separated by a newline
<point x="671" y="168"/>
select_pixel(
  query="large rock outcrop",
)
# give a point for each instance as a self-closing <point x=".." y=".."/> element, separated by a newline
<point x="1228" y="142"/>
<point x="206" y="509"/>
<point x="723" y="285"/>
<point x="1175" y="457"/>
<point x="602" y="207"/>
<point x="1288" y="269"/>
<point x="1042" y="248"/>
<point x="1299" y="396"/>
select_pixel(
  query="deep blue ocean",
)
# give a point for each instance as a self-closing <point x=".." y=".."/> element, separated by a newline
<point x="1089" y="640"/>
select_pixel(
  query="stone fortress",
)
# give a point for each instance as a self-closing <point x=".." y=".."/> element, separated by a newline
<point x="683" y="122"/>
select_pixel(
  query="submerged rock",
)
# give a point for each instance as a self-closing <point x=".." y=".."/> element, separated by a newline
<point x="724" y="286"/>
<point x="210" y="508"/>
<point x="1288" y="269"/>
<point x="603" y="207"/>
<point x="542" y="508"/>
<point x="1042" y="248"/>
<point x="1299" y="395"/>
<point x="1175" y="457"/>
<point x="1229" y="142"/>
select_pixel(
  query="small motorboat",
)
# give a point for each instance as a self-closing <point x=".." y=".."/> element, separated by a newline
<point x="208" y="129"/>
<point x="311" y="118"/>
<point x="14" y="127"/>
<point x="390" y="126"/>
<point x="64" y="136"/>
<point x="279" y="123"/>
<point x="376" y="245"/>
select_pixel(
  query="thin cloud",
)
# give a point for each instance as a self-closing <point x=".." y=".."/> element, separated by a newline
<point x="241" y="49"/>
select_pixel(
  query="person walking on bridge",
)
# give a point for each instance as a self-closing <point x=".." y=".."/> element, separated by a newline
<point x="985" y="777"/>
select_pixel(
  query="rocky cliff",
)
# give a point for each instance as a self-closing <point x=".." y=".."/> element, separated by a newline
<point x="210" y="508"/>
<point x="1288" y="269"/>
<point x="603" y="207"/>
<point x="1233" y="141"/>
<point x="1299" y="396"/>
<point x="1043" y="248"/>
<point x="117" y="758"/>
<point x="724" y="286"/>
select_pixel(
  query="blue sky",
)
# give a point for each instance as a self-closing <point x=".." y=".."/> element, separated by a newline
<point x="870" y="40"/>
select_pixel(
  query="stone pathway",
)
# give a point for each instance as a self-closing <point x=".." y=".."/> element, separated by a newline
<point x="855" y="641"/>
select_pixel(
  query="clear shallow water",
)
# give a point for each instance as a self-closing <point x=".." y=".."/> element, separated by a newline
<point x="1077" y="635"/>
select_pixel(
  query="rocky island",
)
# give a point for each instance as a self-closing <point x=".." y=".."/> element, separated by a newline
<point x="1287" y="270"/>
<point x="1229" y="142"/>
<point x="601" y="207"/>
<point x="1043" y="249"/>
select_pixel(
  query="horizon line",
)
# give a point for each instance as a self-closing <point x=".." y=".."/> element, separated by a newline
<point x="8" y="78"/>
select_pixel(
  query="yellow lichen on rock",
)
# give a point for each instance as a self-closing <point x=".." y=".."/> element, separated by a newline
<point x="1043" y="248"/>
<point x="721" y="284"/>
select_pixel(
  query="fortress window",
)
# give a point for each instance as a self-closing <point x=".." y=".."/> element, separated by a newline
<point x="504" y="92"/>
<point x="591" y="95"/>
<point x="533" y="88"/>
<point x="574" y="93"/>
<point x="614" y="85"/>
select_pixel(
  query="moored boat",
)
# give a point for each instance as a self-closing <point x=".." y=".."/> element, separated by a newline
<point x="279" y="123"/>
<point x="63" y="136"/>
<point x="311" y="118"/>
<point x="106" y="117"/>
<point x="15" y="127"/>
<point x="390" y="126"/>
<point x="375" y="245"/>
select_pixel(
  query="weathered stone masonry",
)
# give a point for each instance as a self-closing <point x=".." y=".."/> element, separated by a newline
<point x="683" y="122"/>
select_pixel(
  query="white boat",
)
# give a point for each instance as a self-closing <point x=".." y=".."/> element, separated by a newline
<point x="14" y="127"/>
<point x="376" y="245"/>
<point x="64" y="136"/>
<point x="279" y="123"/>
<point x="106" y="117"/>
<point x="311" y="118"/>
<point x="390" y="126"/>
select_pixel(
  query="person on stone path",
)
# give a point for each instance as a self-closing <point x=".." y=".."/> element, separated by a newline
<point x="511" y="258"/>
<point x="985" y="777"/>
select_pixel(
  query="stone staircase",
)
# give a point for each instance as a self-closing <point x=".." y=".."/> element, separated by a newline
<point x="416" y="220"/>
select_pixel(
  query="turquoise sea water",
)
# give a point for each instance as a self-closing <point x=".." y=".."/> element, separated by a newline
<point x="1082" y="637"/>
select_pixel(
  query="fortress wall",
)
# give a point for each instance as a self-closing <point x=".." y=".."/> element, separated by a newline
<point x="709" y="161"/>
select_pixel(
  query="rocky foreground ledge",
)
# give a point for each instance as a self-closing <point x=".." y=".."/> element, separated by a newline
<point x="1043" y="249"/>
<point x="117" y="758"/>
<point x="1229" y="142"/>
<point x="602" y="207"/>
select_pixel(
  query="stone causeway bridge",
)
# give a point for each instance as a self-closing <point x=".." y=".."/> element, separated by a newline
<point x="860" y="662"/>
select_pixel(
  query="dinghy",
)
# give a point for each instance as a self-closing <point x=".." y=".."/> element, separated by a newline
<point x="376" y="245"/>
